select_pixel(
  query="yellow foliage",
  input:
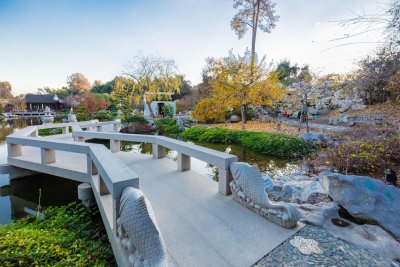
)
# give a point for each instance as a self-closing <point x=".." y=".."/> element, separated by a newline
<point x="235" y="85"/>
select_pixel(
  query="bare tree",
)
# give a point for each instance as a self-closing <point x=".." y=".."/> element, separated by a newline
<point x="370" y="26"/>
<point x="254" y="15"/>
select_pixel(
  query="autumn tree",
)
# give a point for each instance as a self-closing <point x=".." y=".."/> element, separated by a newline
<point x="156" y="78"/>
<point x="124" y="94"/>
<point x="253" y="15"/>
<point x="5" y="90"/>
<point x="235" y="84"/>
<point x="78" y="83"/>
<point x="18" y="103"/>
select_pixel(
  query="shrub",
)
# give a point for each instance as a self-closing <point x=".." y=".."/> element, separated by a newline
<point x="137" y="127"/>
<point x="104" y="115"/>
<point x="267" y="143"/>
<point x="67" y="236"/>
<point x="167" y="125"/>
<point x="135" y="118"/>
<point x="364" y="156"/>
<point x="168" y="110"/>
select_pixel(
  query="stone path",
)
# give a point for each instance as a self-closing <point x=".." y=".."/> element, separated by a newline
<point x="313" y="125"/>
<point x="333" y="252"/>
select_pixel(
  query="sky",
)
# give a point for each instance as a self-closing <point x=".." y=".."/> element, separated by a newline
<point x="44" y="41"/>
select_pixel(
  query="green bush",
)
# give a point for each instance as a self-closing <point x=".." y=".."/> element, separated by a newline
<point x="275" y="144"/>
<point x="167" y="125"/>
<point x="135" y="118"/>
<point x="168" y="110"/>
<point x="66" y="236"/>
<point x="104" y="115"/>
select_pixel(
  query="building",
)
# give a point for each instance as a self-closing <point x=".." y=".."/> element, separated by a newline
<point x="39" y="102"/>
<point x="157" y="108"/>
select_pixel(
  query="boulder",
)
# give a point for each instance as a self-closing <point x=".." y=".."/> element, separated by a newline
<point x="301" y="191"/>
<point x="316" y="139"/>
<point x="371" y="237"/>
<point x="365" y="198"/>
<point x="265" y="118"/>
<point x="234" y="118"/>
<point x="313" y="111"/>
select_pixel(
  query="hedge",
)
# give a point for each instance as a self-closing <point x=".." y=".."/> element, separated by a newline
<point x="274" y="144"/>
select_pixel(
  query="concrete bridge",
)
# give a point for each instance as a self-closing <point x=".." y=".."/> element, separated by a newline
<point x="200" y="223"/>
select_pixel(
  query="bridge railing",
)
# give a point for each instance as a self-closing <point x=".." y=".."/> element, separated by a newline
<point x="107" y="174"/>
<point x="159" y="146"/>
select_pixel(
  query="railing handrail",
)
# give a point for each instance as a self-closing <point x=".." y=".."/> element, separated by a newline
<point x="217" y="158"/>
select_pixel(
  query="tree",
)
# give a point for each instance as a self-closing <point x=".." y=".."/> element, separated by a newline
<point x="78" y="83"/>
<point x="5" y="90"/>
<point x="286" y="72"/>
<point x="61" y="92"/>
<point x="156" y="78"/>
<point x="235" y="85"/>
<point x="88" y="103"/>
<point x="253" y="14"/>
<point x="18" y="103"/>
<point x="102" y="88"/>
<point x="123" y="94"/>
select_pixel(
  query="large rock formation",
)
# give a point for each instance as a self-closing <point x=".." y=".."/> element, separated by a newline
<point x="248" y="189"/>
<point x="365" y="198"/>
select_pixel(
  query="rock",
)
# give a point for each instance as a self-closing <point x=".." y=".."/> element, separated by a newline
<point x="357" y="106"/>
<point x="183" y="123"/>
<point x="316" y="139"/>
<point x="295" y="115"/>
<point x="313" y="111"/>
<point x="298" y="191"/>
<point x="234" y="118"/>
<point x="365" y="198"/>
<point x="265" y="118"/>
<point x="345" y="106"/>
<point x="366" y="236"/>
<point x="344" y="118"/>
<point x="333" y="121"/>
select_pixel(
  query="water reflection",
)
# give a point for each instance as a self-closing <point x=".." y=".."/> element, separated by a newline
<point x="271" y="165"/>
<point x="20" y="197"/>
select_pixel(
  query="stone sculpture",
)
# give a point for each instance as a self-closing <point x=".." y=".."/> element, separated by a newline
<point x="248" y="189"/>
<point x="138" y="231"/>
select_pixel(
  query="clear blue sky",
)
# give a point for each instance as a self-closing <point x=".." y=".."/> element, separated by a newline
<point x="44" y="41"/>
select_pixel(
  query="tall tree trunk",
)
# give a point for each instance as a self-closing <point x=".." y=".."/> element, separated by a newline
<point x="243" y="115"/>
<point x="256" y="13"/>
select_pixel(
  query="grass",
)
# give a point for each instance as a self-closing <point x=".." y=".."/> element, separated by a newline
<point x="273" y="144"/>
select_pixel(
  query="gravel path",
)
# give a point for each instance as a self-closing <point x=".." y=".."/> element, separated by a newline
<point x="329" y="251"/>
<point x="316" y="126"/>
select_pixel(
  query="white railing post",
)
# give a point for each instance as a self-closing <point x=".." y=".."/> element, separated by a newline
<point x="91" y="168"/>
<point x="99" y="128"/>
<point x="35" y="133"/>
<point x="14" y="150"/>
<point x="79" y="139"/>
<point x="158" y="151"/>
<point x="224" y="178"/>
<point x="102" y="187"/>
<point x="115" y="146"/>
<point x="47" y="156"/>
<point x="183" y="162"/>
<point x="65" y="129"/>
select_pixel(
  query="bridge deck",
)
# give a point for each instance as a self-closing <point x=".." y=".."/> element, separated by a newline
<point x="200" y="226"/>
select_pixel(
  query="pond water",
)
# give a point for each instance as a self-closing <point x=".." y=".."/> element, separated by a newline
<point x="20" y="197"/>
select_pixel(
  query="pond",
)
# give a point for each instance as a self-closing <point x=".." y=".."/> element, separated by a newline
<point x="22" y="196"/>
